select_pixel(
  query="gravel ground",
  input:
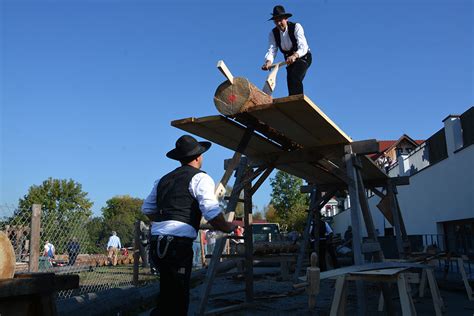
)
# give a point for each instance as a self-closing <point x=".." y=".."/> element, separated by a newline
<point x="273" y="297"/>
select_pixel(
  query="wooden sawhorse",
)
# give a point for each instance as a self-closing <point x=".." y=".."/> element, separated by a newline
<point x="398" y="275"/>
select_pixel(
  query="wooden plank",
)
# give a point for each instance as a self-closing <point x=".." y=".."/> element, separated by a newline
<point x="340" y="296"/>
<point x="301" y="120"/>
<point x="37" y="283"/>
<point x="225" y="132"/>
<point x="386" y="272"/>
<point x="437" y="301"/>
<point x="370" y="266"/>
<point x="408" y="309"/>
<point x="464" y="279"/>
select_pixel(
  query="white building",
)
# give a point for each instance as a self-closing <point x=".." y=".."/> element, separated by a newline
<point x="439" y="202"/>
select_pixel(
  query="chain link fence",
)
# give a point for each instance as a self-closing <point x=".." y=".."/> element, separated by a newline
<point x="65" y="247"/>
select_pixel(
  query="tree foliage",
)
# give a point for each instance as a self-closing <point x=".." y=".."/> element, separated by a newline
<point x="65" y="208"/>
<point x="287" y="205"/>
<point x="120" y="214"/>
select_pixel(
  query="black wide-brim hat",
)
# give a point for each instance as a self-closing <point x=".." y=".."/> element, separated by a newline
<point x="279" y="13"/>
<point x="187" y="146"/>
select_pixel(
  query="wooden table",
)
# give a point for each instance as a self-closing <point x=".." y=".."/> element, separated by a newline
<point x="32" y="294"/>
<point x="398" y="275"/>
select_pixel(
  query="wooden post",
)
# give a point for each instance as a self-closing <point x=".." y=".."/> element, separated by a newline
<point x="35" y="238"/>
<point x="220" y="243"/>
<point x="313" y="278"/>
<point x="136" y="252"/>
<point x="314" y="205"/>
<point x="396" y="217"/>
<point x="248" y="241"/>
<point x="355" y="220"/>
<point x="369" y="222"/>
<point x="304" y="244"/>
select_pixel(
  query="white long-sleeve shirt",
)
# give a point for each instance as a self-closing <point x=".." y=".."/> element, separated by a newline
<point x="201" y="188"/>
<point x="114" y="241"/>
<point x="286" y="43"/>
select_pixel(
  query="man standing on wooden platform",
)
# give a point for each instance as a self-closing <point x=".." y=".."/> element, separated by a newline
<point x="289" y="38"/>
<point x="175" y="206"/>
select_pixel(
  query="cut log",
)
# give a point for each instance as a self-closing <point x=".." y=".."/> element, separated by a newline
<point x="242" y="95"/>
<point x="7" y="257"/>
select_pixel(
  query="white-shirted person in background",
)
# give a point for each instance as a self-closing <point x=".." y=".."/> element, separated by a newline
<point x="175" y="207"/>
<point x="113" y="247"/>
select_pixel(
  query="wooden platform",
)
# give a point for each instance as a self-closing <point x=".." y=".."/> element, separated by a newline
<point x="32" y="294"/>
<point x="319" y="142"/>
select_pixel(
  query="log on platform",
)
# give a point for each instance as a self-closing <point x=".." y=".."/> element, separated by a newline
<point x="241" y="96"/>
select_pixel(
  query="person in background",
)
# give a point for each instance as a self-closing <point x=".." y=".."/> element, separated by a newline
<point x="49" y="250"/>
<point x="73" y="248"/>
<point x="113" y="247"/>
<point x="175" y="207"/>
<point x="211" y="240"/>
<point x="144" y="244"/>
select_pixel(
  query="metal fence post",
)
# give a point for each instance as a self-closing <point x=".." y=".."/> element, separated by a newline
<point x="35" y="238"/>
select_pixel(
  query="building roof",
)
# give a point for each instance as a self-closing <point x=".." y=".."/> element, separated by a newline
<point x="386" y="145"/>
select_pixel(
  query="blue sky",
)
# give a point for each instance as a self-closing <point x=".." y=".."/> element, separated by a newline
<point x="88" y="88"/>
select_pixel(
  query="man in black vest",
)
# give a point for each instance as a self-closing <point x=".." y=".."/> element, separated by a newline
<point x="175" y="207"/>
<point x="289" y="38"/>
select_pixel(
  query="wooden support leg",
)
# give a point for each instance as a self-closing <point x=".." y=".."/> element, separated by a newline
<point x="248" y="242"/>
<point x="422" y="283"/>
<point x="381" y="301"/>
<point x="408" y="309"/>
<point x="464" y="278"/>
<point x="285" y="270"/>
<point x="355" y="220"/>
<point x="387" y="298"/>
<point x="435" y="295"/>
<point x="314" y="206"/>
<point x="396" y="217"/>
<point x="220" y="243"/>
<point x="339" y="301"/>
<point x="367" y="215"/>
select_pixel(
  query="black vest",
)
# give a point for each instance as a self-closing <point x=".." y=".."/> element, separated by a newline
<point x="291" y="33"/>
<point x="173" y="199"/>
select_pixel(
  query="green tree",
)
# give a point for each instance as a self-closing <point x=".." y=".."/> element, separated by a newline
<point x="65" y="208"/>
<point x="98" y="235"/>
<point x="289" y="203"/>
<point x="120" y="214"/>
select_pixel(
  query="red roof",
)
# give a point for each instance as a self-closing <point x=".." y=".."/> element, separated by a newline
<point x="385" y="145"/>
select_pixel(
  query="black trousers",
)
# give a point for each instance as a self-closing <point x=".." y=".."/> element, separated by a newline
<point x="296" y="72"/>
<point x="324" y="247"/>
<point x="175" y="274"/>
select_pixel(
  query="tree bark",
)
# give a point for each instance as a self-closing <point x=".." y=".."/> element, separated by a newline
<point x="241" y="96"/>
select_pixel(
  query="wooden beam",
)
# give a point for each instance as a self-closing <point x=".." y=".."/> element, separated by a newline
<point x="225" y="71"/>
<point x="365" y="147"/>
